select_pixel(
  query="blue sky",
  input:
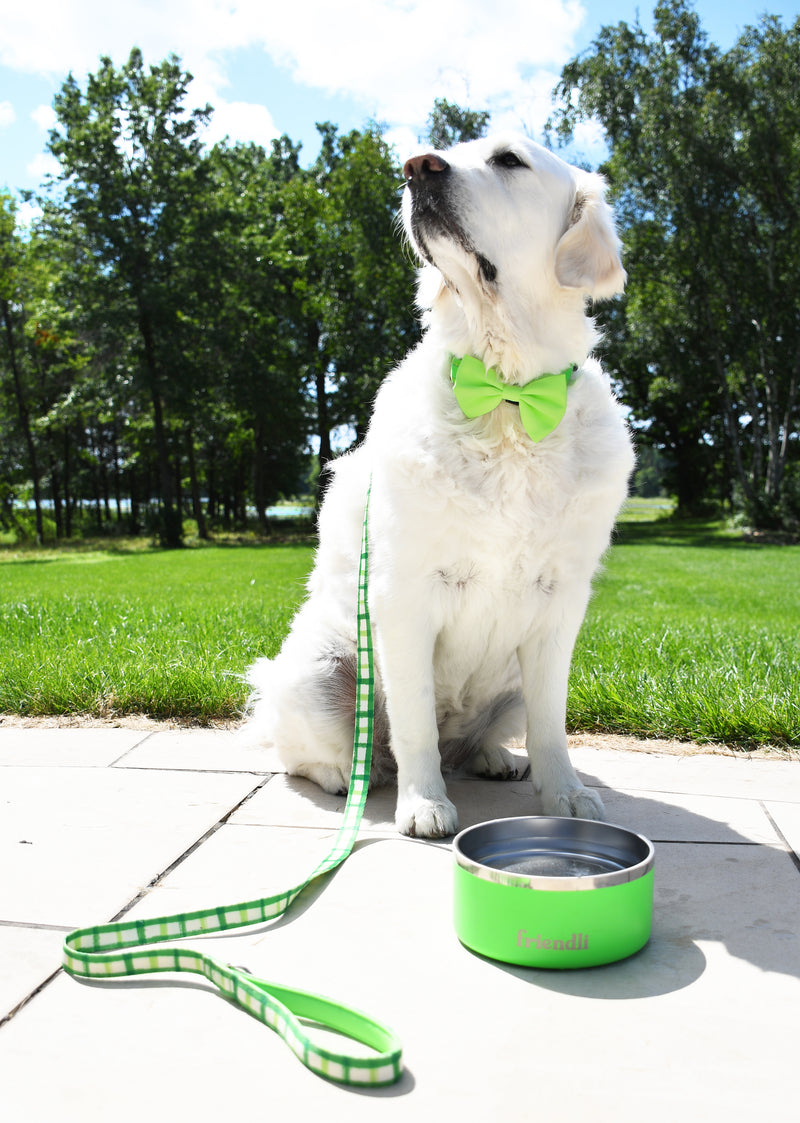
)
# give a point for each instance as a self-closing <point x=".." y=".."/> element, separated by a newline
<point x="273" y="68"/>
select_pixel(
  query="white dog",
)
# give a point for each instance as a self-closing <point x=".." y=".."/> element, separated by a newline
<point x="483" y="537"/>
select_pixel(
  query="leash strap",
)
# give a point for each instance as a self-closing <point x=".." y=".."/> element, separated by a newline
<point x="98" y="953"/>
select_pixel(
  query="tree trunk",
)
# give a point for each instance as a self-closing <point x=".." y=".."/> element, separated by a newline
<point x="731" y="426"/>
<point x="55" y="485"/>
<point x="211" y="478"/>
<point x="756" y="441"/>
<point x="197" y="505"/>
<point x="133" y="484"/>
<point x="321" y="394"/>
<point x="67" y="483"/>
<point x="117" y="476"/>
<point x="170" y="530"/>
<point x="98" y="510"/>
<point x="788" y="415"/>
<point x="323" y="421"/>
<point x="259" y="481"/>
<point x="24" y="418"/>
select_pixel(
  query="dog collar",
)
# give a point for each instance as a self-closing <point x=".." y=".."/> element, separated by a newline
<point x="542" y="401"/>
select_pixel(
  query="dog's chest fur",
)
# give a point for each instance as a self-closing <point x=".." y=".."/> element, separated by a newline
<point x="488" y="531"/>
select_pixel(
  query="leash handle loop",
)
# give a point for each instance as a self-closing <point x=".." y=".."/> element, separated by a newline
<point x="99" y="952"/>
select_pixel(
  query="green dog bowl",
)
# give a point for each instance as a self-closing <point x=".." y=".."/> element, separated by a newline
<point x="553" y="892"/>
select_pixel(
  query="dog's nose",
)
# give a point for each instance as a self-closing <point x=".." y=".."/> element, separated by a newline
<point x="421" y="168"/>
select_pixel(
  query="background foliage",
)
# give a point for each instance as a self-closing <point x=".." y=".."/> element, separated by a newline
<point x="182" y="324"/>
<point x="186" y="331"/>
<point x="704" y="166"/>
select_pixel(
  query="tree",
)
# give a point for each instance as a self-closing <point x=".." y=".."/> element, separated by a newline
<point x="704" y="154"/>
<point x="181" y="321"/>
<point x="133" y="176"/>
<point x="356" y="317"/>
<point x="252" y="338"/>
<point x="367" y="305"/>
<point x="449" y="124"/>
<point x="13" y="295"/>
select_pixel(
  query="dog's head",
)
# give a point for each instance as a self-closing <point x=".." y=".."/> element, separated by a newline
<point x="511" y="231"/>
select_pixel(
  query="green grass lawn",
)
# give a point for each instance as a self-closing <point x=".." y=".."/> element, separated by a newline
<point x="692" y="633"/>
<point x="168" y="633"/>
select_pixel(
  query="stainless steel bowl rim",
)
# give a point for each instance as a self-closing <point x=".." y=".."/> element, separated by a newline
<point x="550" y="830"/>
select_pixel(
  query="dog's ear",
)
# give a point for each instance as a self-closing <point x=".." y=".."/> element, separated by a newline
<point x="588" y="255"/>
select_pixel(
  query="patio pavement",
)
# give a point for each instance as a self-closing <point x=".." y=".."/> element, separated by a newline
<point x="701" y="1024"/>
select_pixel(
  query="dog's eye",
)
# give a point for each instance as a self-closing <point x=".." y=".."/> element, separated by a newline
<point x="508" y="160"/>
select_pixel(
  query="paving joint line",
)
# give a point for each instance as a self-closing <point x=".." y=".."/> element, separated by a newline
<point x="194" y="771"/>
<point x="794" y="858"/>
<point x="138" y="744"/>
<point x="212" y="830"/>
<point x="29" y="997"/>
<point x="36" y="925"/>
<point x="708" y="842"/>
<point x="141" y="894"/>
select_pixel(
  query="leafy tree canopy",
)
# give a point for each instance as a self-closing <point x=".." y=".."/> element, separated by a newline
<point x="704" y="163"/>
<point x="449" y="124"/>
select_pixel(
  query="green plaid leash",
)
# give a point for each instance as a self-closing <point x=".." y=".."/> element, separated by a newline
<point x="97" y="953"/>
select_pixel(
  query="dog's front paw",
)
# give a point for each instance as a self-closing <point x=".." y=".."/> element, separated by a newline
<point x="576" y="803"/>
<point x="494" y="763"/>
<point x="330" y="778"/>
<point x="426" y="818"/>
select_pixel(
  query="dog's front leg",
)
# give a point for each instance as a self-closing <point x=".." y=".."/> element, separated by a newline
<point x="544" y="662"/>
<point x="405" y="655"/>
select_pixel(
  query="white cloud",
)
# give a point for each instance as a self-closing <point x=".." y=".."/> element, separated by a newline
<point x="406" y="52"/>
<point x="393" y="56"/>
<point x="241" y="121"/>
<point x="7" y="114"/>
<point x="27" y="214"/>
<point x="80" y="31"/>
<point x="45" y="117"/>
<point x="42" y="166"/>
<point x="589" y="142"/>
<point x="404" y="140"/>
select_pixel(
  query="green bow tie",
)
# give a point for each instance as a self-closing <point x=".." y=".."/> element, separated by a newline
<point x="542" y="402"/>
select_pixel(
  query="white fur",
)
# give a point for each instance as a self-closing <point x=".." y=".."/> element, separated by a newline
<point x="482" y="544"/>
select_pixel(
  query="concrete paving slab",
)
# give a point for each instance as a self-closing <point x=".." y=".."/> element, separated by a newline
<point x="81" y="842"/>
<point x="737" y="776"/>
<point x="606" y="768"/>
<point x="786" y="817"/>
<point x="28" y="956"/>
<point x="675" y="817"/>
<point x="201" y="750"/>
<point x="293" y="800"/>
<point x="43" y="747"/>
<point x="290" y="800"/>
<point x="242" y="863"/>
<point x="669" y="1033"/>
<point x="699" y="1025"/>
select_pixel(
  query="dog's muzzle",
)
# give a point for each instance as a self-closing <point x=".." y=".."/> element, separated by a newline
<point x="427" y="180"/>
<point x="430" y="183"/>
